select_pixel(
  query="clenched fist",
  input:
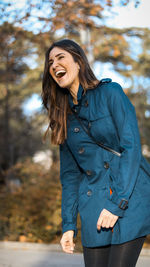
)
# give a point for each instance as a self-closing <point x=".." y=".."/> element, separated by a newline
<point x="67" y="241"/>
<point x="106" y="219"/>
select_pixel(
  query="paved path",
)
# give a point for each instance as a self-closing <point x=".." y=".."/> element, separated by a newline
<point x="33" y="257"/>
<point x="20" y="258"/>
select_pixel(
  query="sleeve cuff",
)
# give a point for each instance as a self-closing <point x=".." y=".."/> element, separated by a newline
<point x="69" y="226"/>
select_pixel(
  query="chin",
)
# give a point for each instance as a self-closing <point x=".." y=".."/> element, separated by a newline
<point x="64" y="85"/>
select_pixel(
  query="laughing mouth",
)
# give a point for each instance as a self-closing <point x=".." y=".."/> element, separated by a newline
<point x="60" y="73"/>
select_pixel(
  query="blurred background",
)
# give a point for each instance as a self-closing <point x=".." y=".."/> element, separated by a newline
<point x="115" y="35"/>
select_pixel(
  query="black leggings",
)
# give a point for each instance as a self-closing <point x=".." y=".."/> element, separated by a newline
<point x="122" y="255"/>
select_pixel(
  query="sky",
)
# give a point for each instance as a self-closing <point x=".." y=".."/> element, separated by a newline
<point x="130" y="16"/>
<point x="123" y="17"/>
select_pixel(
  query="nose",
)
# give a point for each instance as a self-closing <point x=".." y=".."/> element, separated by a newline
<point x="54" y="65"/>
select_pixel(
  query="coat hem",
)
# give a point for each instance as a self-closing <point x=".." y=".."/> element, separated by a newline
<point x="116" y="243"/>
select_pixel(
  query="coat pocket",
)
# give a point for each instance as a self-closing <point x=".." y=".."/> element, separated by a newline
<point x="104" y="131"/>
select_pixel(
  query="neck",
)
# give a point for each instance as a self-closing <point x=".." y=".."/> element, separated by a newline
<point x="74" y="91"/>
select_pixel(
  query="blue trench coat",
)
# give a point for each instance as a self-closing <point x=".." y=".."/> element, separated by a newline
<point x="87" y="171"/>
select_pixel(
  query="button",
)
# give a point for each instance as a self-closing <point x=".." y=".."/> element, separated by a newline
<point x="76" y="129"/>
<point x="88" y="172"/>
<point x="106" y="165"/>
<point x="81" y="150"/>
<point x="86" y="103"/>
<point x="89" y="193"/>
<point x="75" y="110"/>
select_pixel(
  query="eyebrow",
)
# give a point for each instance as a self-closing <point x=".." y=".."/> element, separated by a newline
<point x="56" y="56"/>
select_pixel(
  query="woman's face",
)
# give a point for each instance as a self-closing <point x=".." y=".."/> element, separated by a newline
<point x="63" y="68"/>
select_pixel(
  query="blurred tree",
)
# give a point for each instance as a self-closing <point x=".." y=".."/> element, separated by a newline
<point x="77" y="18"/>
<point x="144" y="57"/>
<point x="18" y="136"/>
<point x="58" y="14"/>
<point x="31" y="210"/>
<point x="142" y="107"/>
<point x="117" y="47"/>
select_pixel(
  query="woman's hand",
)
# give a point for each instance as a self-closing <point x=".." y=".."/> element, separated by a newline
<point x="67" y="241"/>
<point x="106" y="219"/>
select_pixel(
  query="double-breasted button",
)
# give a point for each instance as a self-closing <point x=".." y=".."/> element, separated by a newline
<point x="76" y="129"/>
<point x="81" y="150"/>
<point x="89" y="193"/>
<point x="86" y="103"/>
<point x="106" y="165"/>
<point x="75" y="110"/>
<point x="88" y="172"/>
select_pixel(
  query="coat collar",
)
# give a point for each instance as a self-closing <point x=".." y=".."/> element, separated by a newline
<point x="79" y="97"/>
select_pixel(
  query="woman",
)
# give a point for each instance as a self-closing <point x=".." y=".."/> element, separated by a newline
<point x="110" y="191"/>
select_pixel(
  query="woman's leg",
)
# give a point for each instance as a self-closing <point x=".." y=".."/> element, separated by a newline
<point x="126" y="254"/>
<point x="97" y="256"/>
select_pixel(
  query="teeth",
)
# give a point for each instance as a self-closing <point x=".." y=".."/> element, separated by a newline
<point x="59" y="72"/>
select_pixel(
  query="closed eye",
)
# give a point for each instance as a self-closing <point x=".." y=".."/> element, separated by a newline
<point x="61" y="57"/>
<point x="51" y="61"/>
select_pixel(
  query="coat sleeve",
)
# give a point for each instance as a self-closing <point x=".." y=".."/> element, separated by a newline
<point x="125" y="121"/>
<point x="69" y="177"/>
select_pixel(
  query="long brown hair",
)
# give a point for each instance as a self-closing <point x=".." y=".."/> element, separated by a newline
<point x="55" y="98"/>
